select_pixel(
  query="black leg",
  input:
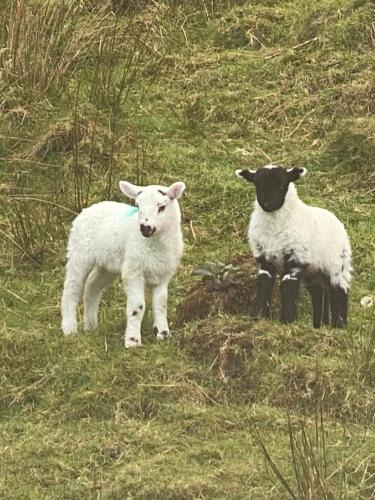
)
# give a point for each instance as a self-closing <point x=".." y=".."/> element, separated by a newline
<point x="344" y="304"/>
<point x="326" y="299"/>
<point x="289" y="296"/>
<point x="339" y="307"/>
<point x="289" y="288"/>
<point x="266" y="280"/>
<point x="334" y="307"/>
<point x="318" y="303"/>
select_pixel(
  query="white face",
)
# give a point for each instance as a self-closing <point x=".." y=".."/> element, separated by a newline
<point x="154" y="203"/>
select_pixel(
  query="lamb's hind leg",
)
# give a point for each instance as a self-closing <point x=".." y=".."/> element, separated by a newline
<point x="317" y="294"/>
<point x="98" y="280"/>
<point x="77" y="270"/>
<point x="326" y="306"/>
<point x="339" y="306"/>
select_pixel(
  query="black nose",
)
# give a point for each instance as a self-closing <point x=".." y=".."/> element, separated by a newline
<point x="266" y="205"/>
<point x="147" y="230"/>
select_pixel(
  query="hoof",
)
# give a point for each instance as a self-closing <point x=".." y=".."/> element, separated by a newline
<point x="340" y="323"/>
<point x="260" y="313"/>
<point x="90" y="325"/>
<point x="132" y="342"/>
<point x="164" y="334"/>
<point x="69" y="330"/>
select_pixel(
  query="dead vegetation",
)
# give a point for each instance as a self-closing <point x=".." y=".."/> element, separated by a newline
<point x="233" y="293"/>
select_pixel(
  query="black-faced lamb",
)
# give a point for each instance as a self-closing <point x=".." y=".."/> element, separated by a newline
<point x="300" y="242"/>
<point x="143" y="243"/>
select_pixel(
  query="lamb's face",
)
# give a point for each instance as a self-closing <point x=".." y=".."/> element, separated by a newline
<point x="271" y="183"/>
<point x="153" y="211"/>
<point x="155" y="204"/>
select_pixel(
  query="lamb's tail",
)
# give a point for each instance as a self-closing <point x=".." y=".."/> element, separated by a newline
<point x="343" y="277"/>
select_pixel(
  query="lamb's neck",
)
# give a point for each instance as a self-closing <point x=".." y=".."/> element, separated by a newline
<point x="168" y="237"/>
<point x="173" y="229"/>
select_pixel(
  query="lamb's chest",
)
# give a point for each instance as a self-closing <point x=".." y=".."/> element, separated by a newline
<point x="157" y="265"/>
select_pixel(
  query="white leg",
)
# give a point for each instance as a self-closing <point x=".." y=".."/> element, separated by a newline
<point x="75" y="277"/>
<point x="135" y="310"/>
<point x="98" y="280"/>
<point x="159" y="306"/>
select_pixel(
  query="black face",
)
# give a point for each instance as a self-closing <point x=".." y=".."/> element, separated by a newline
<point x="271" y="184"/>
<point x="271" y="187"/>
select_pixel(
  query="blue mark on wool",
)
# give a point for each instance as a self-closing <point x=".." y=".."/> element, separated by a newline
<point x="129" y="213"/>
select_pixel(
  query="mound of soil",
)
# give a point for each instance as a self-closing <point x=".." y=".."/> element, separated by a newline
<point x="225" y="345"/>
<point x="235" y="296"/>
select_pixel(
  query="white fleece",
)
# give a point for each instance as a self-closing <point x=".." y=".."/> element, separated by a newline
<point x="105" y="240"/>
<point x="104" y="235"/>
<point x="313" y="235"/>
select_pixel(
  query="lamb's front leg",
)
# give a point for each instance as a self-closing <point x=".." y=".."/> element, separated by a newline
<point x="266" y="280"/>
<point x="135" y="310"/>
<point x="290" y="284"/>
<point x="159" y="306"/>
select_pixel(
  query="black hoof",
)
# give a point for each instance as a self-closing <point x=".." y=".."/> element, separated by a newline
<point x="340" y="323"/>
<point x="260" y="313"/>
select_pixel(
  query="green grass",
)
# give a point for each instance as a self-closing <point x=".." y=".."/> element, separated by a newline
<point x="218" y="88"/>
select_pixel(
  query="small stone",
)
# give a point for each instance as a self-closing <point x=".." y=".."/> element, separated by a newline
<point x="367" y="301"/>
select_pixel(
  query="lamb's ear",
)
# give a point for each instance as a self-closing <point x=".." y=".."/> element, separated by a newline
<point x="175" y="191"/>
<point x="130" y="190"/>
<point x="248" y="175"/>
<point x="296" y="173"/>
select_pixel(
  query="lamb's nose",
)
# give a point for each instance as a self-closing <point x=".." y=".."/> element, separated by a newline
<point x="266" y="205"/>
<point x="147" y="230"/>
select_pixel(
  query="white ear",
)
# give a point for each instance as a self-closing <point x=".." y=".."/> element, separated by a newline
<point x="175" y="191"/>
<point x="130" y="190"/>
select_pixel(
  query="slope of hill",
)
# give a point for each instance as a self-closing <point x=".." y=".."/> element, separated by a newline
<point x="158" y="92"/>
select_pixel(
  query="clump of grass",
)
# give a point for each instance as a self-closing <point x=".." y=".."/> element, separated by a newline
<point x="59" y="139"/>
<point x="309" y="456"/>
<point x="42" y="44"/>
<point x="351" y="147"/>
<point x="253" y="27"/>
<point x="105" y="56"/>
<point x="193" y="113"/>
<point x="315" y="471"/>
<point x="346" y="33"/>
<point x="363" y="355"/>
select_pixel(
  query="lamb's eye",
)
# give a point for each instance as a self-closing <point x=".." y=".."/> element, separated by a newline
<point x="161" y="209"/>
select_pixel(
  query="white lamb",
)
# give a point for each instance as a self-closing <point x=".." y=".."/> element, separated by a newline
<point x="144" y="244"/>
<point x="301" y="243"/>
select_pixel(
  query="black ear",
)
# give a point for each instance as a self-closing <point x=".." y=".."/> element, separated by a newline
<point x="248" y="175"/>
<point x="295" y="173"/>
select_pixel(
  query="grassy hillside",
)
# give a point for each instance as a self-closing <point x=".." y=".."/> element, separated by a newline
<point x="152" y="92"/>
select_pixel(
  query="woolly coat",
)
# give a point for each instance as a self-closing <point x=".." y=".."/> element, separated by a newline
<point x="107" y="235"/>
<point x="313" y="236"/>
